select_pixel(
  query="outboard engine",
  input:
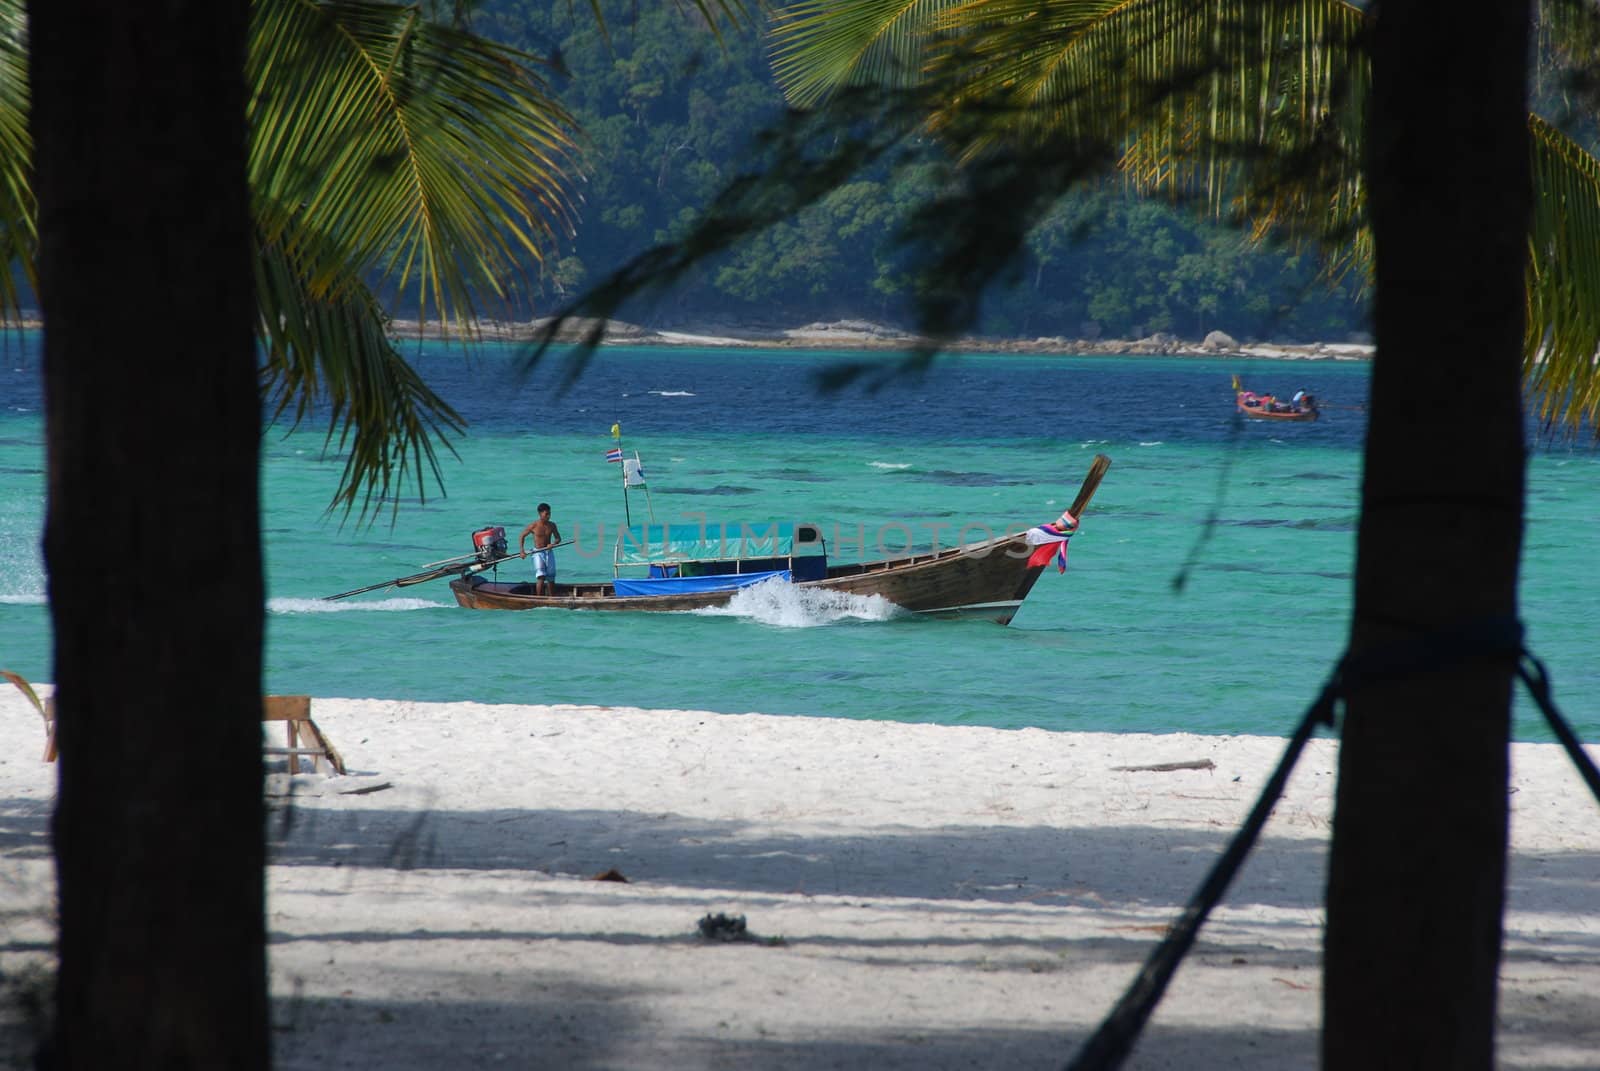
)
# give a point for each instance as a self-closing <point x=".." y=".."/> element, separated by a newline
<point x="489" y="543"/>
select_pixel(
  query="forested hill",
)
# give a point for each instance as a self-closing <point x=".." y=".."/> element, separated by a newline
<point x="670" y="116"/>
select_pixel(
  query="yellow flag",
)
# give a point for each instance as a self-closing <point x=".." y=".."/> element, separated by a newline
<point x="616" y="431"/>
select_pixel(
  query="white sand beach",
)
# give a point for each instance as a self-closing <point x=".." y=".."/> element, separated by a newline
<point x="917" y="896"/>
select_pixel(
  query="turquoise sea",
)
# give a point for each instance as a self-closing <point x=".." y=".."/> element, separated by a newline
<point x="1257" y="519"/>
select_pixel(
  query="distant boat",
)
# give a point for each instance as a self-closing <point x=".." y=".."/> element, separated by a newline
<point x="691" y="567"/>
<point x="1265" y="407"/>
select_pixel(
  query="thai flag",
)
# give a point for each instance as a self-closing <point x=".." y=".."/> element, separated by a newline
<point x="614" y="455"/>
<point x="1050" y="541"/>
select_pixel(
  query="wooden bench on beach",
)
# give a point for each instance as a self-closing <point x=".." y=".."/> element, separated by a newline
<point x="304" y="738"/>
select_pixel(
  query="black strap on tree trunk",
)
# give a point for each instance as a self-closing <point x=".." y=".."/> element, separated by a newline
<point x="1533" y="674"/>
<point x="1114" y="1039"/>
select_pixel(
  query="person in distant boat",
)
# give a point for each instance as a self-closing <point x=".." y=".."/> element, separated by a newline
<point x="545" y="537"/>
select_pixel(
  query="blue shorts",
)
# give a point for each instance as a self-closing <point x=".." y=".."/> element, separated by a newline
<point x="544" y="565"/>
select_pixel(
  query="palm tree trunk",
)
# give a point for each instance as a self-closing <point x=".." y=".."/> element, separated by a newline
<point x="152" y="531"/>
<point x="1417" y="877"/>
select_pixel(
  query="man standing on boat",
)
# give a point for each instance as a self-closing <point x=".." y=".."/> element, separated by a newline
<point x="545" y="537"/>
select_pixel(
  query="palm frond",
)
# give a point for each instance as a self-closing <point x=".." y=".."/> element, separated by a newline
<point x="823" y="46"/>
<point x="389" y="152"/>
<point x="380" y="140"/>
<point x="1253" y="109"/>
<point x="1563" y="327"/>
<point x="714" y="13"/>
<point x="18" y="237"/>
<point x="736" y="13"/>
<point x="1566" y="60"/>
<point x="331" y="352"/>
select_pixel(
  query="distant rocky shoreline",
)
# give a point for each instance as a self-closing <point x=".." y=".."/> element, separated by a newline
<point x="865" y="335"/>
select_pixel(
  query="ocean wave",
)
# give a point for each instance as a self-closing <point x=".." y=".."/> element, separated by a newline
<point x="24" y="599"/>
<point x="673" y="393"/>
<point x="323" y="606"/>
<point x="775" y="602"/>
<point x="890" y="465"/>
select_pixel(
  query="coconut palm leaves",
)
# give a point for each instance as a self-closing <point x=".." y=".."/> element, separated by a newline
<point x="1252" y="107"/>
<point x="389" y="155"/>
<point x="379" y="138"/>
<point x="17" y="237"/>
<point x="1563" y="326"/>
<point x="331" y="348"/>
<point x="821" y="47"/>
<point x="390" y="152"/>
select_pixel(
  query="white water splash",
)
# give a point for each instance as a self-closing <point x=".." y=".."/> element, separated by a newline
<point x="23" y="600"/>
<point x="775" y="602"/>
<point x="323" y="606"/>
<point x="892" y="465"/>
<point x="673" y="393"/>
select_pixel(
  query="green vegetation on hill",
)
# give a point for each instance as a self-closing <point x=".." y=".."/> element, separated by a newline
<point x="671" y="115"/>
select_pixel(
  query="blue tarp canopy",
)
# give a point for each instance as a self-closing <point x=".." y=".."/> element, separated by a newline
<point x="689" y="585"/>
<point x="648" y="544"/>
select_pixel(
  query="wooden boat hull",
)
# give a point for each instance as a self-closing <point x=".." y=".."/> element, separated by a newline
<point x="987" y="580"/>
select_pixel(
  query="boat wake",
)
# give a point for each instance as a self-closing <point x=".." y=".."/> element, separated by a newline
<point x="323" y="606"/>
<point x="774" y="602"/>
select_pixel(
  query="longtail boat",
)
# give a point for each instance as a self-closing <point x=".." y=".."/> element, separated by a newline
<point x="692" y="567"/>
<point x="1266" y="407"/>
<point x="1258" y="407"/>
